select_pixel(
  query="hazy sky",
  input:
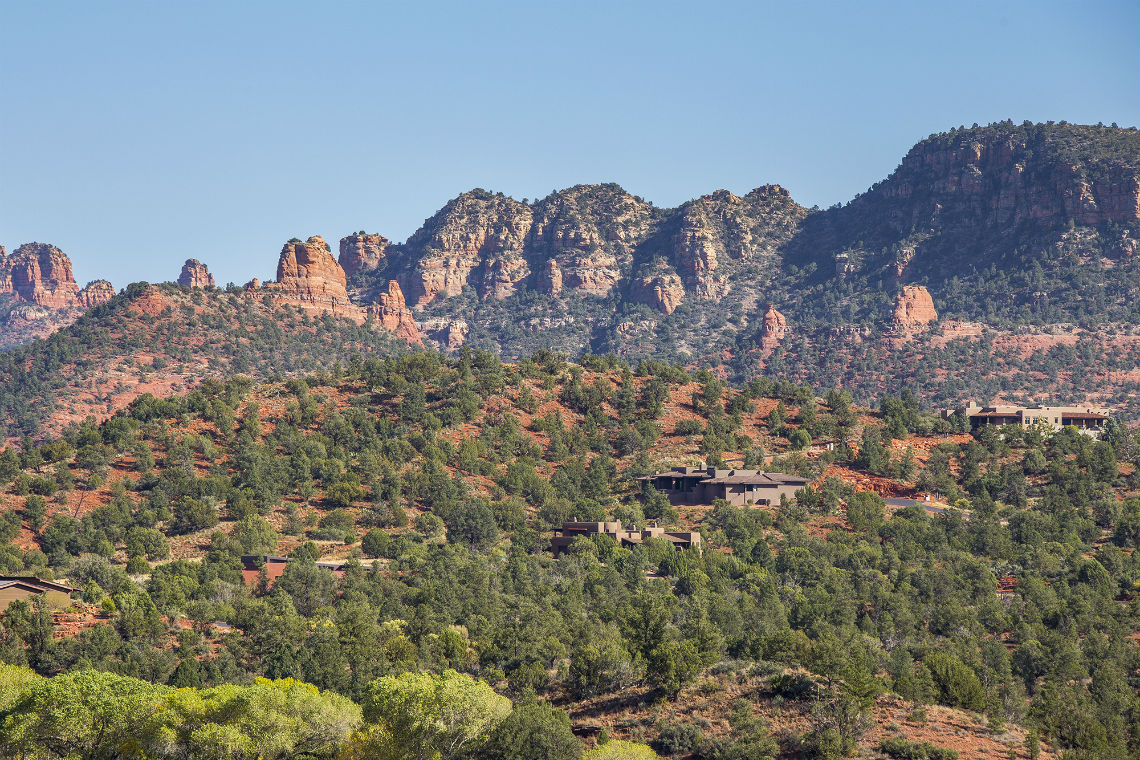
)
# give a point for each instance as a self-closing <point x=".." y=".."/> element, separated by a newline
<point x="136" y="135"/>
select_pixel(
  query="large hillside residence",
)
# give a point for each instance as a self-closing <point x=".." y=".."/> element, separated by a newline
<point x="28" y="588"/>
<point x="1086" y="419"/>
<point x="626" y="537"/>
<point x="701" y="485"/>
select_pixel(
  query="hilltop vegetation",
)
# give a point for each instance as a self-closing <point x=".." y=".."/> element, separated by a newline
<point x="807" y="628"/>
<point x="161" y="339"/>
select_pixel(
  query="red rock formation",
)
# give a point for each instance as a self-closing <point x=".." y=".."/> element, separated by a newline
<point x="663" y="291"/>
<point x="394" y="315"/>
<point x="254" y="284"/>
<point x="550" y="279"/>
<point x="96" y="293"/>
<point x="195" y="275"/>
<point x="41" y="274"/>
<point x="362" y="252"/>
<point x="913" y="308"/>
<point x="476" y="230"/>
<point x="307" y="273"/>
<point x="772" y="330"/>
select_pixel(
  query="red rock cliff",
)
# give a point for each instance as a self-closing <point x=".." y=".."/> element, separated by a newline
<point x="307" y="273"/>
<point x="914" y="308"/>
<point x="41" y="274"/>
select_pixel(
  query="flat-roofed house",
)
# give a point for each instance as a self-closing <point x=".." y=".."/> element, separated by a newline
<point x="27" y="588"/>
<point x="701" y="485"/>
<point x="1086" y="419"/>
<point x="626" y="537"/>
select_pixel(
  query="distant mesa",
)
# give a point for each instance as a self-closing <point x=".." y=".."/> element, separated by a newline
<point x="195" y="274"/>
<point x="362" y="252"/>
<point x="914" y="308"/>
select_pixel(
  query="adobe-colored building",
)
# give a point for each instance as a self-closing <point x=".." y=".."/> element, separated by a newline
<point x="1086" y="419"/>
<point x="701" y="485"/>
<point x="626" y="537"/>
<point x="27" y="588"/>
<point x="275" y="567"/>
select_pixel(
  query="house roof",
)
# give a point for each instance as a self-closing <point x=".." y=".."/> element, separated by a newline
<point x="37" y="582"/>
<point x="733" y="477"/>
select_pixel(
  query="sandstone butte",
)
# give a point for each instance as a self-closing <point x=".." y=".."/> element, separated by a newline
<point x="41" y="274"/>
<point x="309" y="277"/>
<point x="913" y="308"/>
<point x="195" y="274"/>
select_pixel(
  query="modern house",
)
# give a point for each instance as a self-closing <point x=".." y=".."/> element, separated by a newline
<point x="27" y="588"/>
<point x="1085" y="419"/>
<point x="626" y="537"/>
<point x="700" y="485"/>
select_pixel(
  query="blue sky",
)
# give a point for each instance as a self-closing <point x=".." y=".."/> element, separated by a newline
<point x="136" y="135"/>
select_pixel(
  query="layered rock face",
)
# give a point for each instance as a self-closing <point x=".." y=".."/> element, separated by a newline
<point x="590" y="232"/>
<point x="41" y="274"/>
<point x="961" y="199"/>
<point x="95" y="294"/>
<point x="477" y="239"/>
<point x="309" y="277"/>
<point x="195" y="274"/>
<point x="361" y="252"/>
<point x="394" y="315"/>
<point x="913" y="308"/>
<point x="720" y="230"/>
<point x="307" y="273"/>
<point x="1010" y="176"/>
<point x="663" y="291"/>
<point x="40" y="278"/>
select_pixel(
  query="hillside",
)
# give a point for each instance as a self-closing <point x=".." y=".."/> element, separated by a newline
<point x="1018" y="240"/>
<point x="841" y="621"/>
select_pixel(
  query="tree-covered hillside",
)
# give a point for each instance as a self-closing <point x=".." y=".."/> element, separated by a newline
<point x="830" y="622"/>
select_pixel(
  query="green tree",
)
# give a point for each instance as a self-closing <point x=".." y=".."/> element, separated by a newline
<point x="428" y="717"/>
<point x="536" y="732"/>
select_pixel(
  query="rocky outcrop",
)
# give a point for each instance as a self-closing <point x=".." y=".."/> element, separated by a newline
<point x="308" y="274"/>
<point x="476" y="231"/>
<point x="720" y="231"/>
<point x="195" y="274"/>
<point x="41" y="274"/>
<point x="663" y="291"/>
<point x="591" y="232"/>
<point x="393" y="315"/>
<point x="773" y="329"/>
<point x="362" y="252"/>
<point x="253" y="285"/>
<point x="96" y="293"/>
<point x="913" y="308"/>
<point x="993" y="179"/>
<point x="550" y="279"/>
